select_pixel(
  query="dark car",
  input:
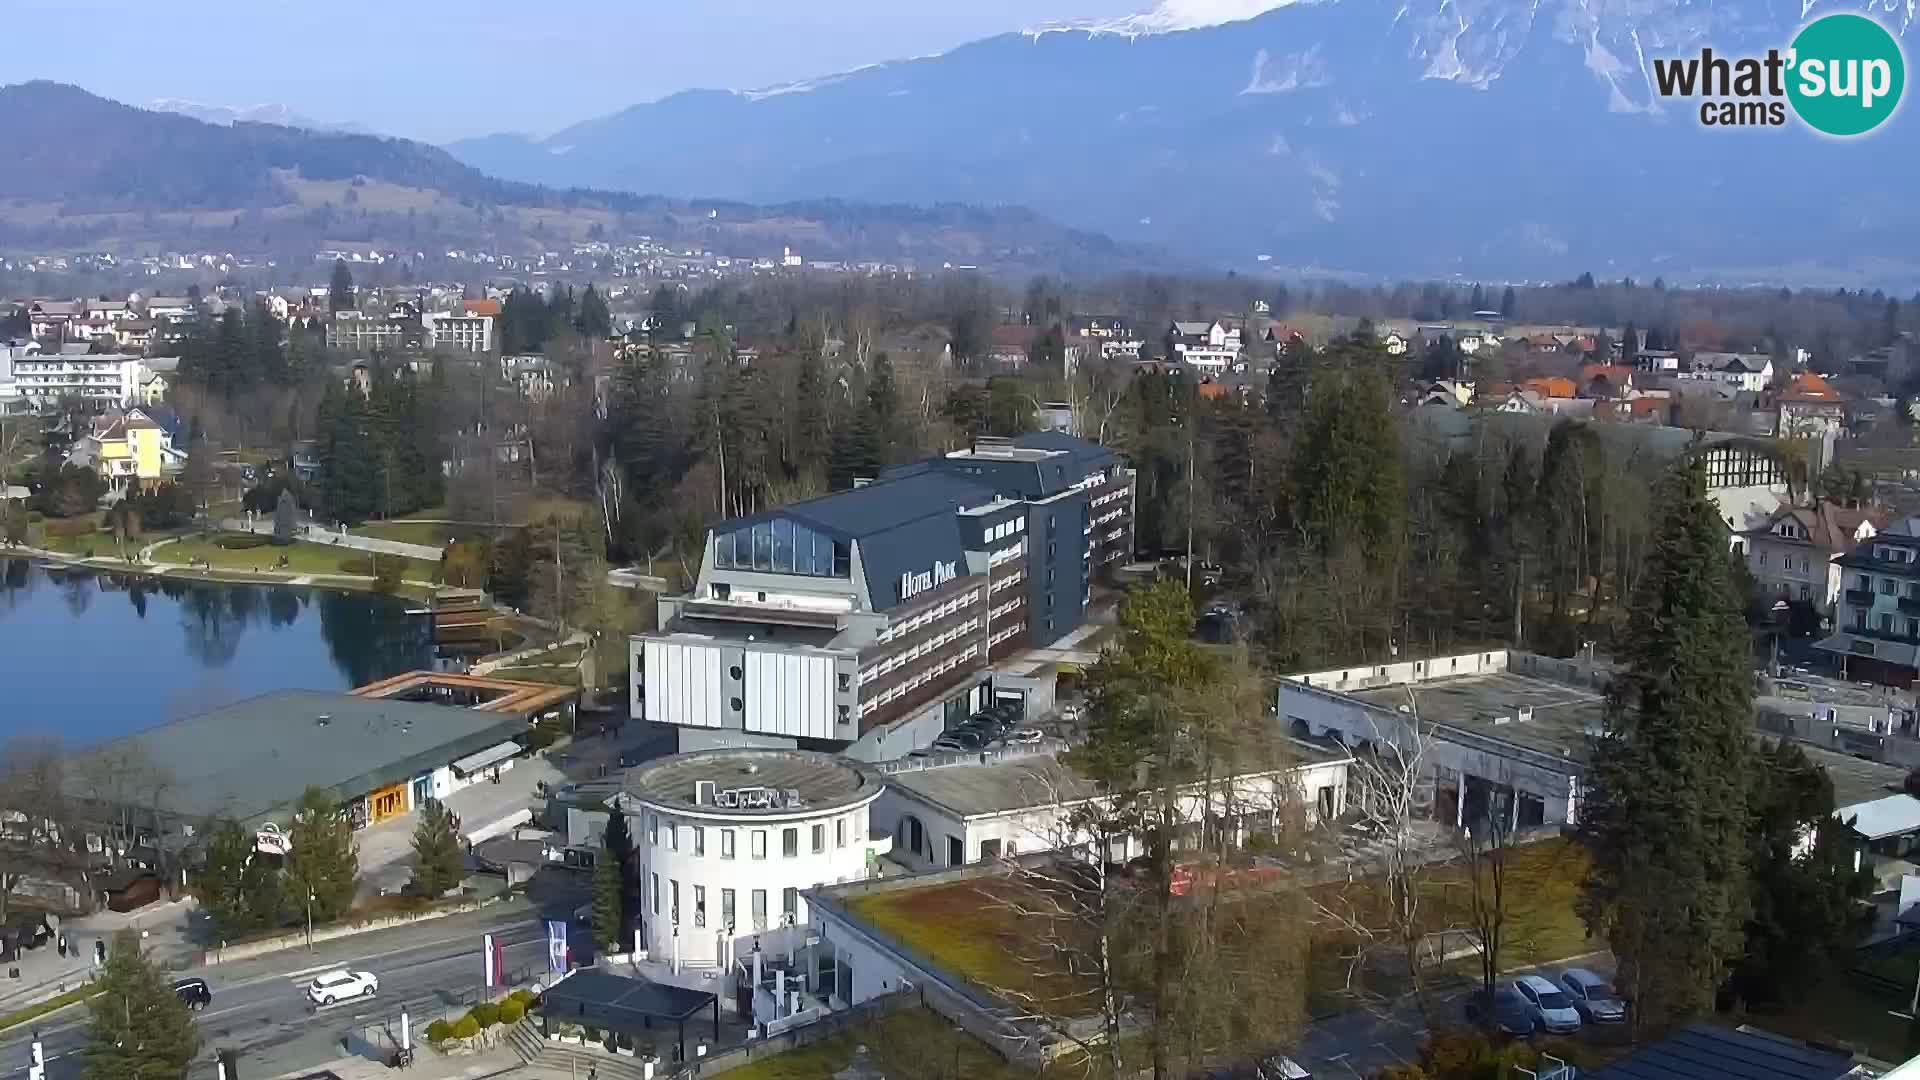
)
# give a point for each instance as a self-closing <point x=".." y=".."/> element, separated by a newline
<point x="194" y="992"/>
<point x="1506" y="1013"/>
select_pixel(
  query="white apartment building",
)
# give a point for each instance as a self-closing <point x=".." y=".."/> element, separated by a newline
<point x="106" y="378"/>
<point x="461" y="332"/>
<point x="1208" y="347"/>
<point x="728" y="839"/>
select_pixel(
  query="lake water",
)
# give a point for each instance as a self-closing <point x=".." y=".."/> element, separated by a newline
<point x="88" y="656"/>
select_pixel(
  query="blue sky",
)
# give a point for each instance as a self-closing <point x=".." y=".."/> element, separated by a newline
<point x="440" y="71"/>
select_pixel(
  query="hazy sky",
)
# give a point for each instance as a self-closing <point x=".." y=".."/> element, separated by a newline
<point x="440" y="71"/>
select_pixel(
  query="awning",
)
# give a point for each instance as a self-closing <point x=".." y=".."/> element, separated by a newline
<point x="492" y="755"/>
<point x="1898" y="653"/>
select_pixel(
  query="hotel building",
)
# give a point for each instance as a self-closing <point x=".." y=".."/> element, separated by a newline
<point x="867" y="621"/>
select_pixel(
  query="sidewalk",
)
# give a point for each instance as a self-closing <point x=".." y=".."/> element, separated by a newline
<point x="315" y="534"/>
<point x="428" y="1064"/>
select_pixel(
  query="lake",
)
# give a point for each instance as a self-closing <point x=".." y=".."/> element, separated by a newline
<point x="88" y="656"/>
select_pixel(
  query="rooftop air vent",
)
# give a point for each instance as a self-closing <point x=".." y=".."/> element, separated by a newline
<point x="750" y="768"/>
<point x="1524" y="713"/>
<point x="322" y="720"/>
<point x="703" y="792"/>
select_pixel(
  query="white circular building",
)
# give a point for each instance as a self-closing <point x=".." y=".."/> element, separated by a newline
<point x="728" y="839"/>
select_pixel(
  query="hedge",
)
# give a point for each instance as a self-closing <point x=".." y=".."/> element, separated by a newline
<point x="467" y="1028"/>
<point x="511" y="1011"/>
<point x="486" y="1014"/>
<point x="439" y="1031"/>
<point x="243" y="541"/>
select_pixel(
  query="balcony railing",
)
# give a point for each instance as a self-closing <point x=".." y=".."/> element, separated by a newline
<point x="1910" y="604"/>
<point x="1860" y="597"/>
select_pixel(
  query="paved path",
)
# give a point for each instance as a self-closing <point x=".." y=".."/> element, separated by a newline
<point x="314" y="534"/>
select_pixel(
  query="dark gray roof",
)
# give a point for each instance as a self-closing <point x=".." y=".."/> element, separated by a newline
<point x="601" y="999"/>
<point x="251" y="757"/>
<point x="1705" y="1052"/>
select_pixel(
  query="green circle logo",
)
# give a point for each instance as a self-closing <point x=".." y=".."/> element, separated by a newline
<point x="1846" y="74"/>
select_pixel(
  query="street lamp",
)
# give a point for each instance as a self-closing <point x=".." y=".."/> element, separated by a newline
<point x="310" y="922"/>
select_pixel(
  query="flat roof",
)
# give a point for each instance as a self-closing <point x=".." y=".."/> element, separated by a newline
<point x="819" y="782"/>
<point x="976" y="790"/>
<point x="514" y="695"/>
<point x="1889" y="816"/>
<point x="248" y="758"/>
<point x="1564" y="716"/>
<point x="1709" y="1052"/>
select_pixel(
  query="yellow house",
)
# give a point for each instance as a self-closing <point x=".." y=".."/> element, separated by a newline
<point x="133" y="450"/>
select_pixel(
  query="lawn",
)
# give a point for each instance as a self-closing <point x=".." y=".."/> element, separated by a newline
<point x="302" y="558"/>
<point x="58" y="1001"/>
<point x="426" y="533"/>
<point x="912" y="1042"/>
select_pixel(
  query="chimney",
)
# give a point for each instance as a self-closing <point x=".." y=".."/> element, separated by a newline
<point x="1524" y="713"/>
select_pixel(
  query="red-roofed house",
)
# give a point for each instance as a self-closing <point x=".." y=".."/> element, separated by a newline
<point x="1810" y="407"/>
<point x="1606" y="380"/>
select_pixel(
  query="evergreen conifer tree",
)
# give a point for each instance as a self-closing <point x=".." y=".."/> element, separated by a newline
<point x="438" y="863"/>
<point x="608" y="923"/>
<point x="140" y="1027"/>
<point x="340" y="295"/>
<point x="617" y="843"/>
<point x="1667" y="818"/>
<point x="324" y="862"/>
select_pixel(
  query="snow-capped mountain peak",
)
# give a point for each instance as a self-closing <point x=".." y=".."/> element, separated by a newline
<point x="1172" y="16"/>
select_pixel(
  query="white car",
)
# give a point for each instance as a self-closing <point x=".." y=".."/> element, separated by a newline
<point x="341" y="985"/>
<point x="1552" y="1009"/>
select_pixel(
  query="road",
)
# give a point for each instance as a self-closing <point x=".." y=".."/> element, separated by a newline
<point x="260" y="1009"/>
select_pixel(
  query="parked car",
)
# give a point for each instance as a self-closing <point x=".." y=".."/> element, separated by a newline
<point x="194" y="992"/>
<point x="1504" y="1012"/>
<point x="341" y="985"/>
<point x="1593" y="997"/>
<point x="1552" y="1009"/>
<point x="1023" y="737"/>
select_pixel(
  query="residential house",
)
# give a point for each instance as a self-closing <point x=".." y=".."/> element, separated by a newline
<point x="133" y="335"/>
<point x="1739" y="371"/>
<point x="1810" y="407"/>
<point x="1204" y="346"/>
<point x="1452" y="392"/>
<point x="157" y="374"/>
<point x="1794" y="555"/>
<point x="134" y="449"/>
<point x="1534" y="403"/>
<point x="166" y="309"/>
<point x="532" y="376"/>
<point x="1658" y="361"/>
<point x="1552" y="386"/>
<point x="1011" y="344"/>
<point x="1877" y="627"/>
<point x="54" y="319"/>
<point x="1606" y="380"/>
<point x="1394" y="344"/>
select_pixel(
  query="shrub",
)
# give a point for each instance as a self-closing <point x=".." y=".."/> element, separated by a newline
<point x="524" y="997"/>
<point x="467" y="1028"/>
<point x="357" y="565"/>
<point x="77" y="526"/>
<point x="439" y="1031"/>
<point x="486" y="1014"/>
<point x="243" y="541"/>
<point x="388" y="579"/>
<point x="512" y="1011"/>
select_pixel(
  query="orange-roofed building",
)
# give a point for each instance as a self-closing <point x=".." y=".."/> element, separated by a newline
<point x="1606" y="380"/>
<point x="483" y="307"/>
<point x="1811" y="407"/>
<point x="1552" y="386"/>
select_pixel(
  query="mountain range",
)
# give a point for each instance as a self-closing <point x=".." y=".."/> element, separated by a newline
<point x="85" y="171"/>
<point x="227" y="115"/>
<point x="1391" y="137"/>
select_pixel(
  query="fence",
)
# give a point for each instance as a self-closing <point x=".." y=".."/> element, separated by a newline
<point x="827" y="1027"/>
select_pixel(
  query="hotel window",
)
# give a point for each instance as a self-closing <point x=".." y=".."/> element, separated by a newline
<point x="699" y="906"/>
<point x="1886" y="623"/>
<point x="789" y="843"/>
<point x="1887" y="586"/>
<point x="653" y="886"/>
<point x="820" y="837"/>
<point x="759" y="909"/>
<point x="653" y="829"/>
<point x="840" y="833"/>
<point x="726" y="909"/>
<point x="759" y="843"/>
<point x="674" y="892"/>
<point x="699" y="841"/>
<point x="673" y="836"/>
<point x="790" y="904"/>
<point x="726" y="843"/>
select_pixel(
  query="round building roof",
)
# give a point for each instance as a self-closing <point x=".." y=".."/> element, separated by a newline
<point x="753" y="783"/>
